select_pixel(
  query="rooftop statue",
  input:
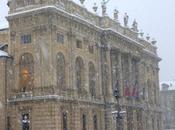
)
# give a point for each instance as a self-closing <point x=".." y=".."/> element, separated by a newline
<point x="135" y="26"/>
<point x="103" y="4"/>
<point x="116" y="15"/>
<point x="82" y="1"/>
<point x="126" y="18"/>
<point x="95" y="7"/>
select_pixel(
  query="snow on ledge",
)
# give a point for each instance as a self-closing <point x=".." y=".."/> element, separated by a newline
<point x="3" y="54"/>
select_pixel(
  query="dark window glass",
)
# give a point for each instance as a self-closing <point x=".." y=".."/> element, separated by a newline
<point x="84" y="122"/>
<point x="79" y="44"/>
<point x="65" y="121"/>
<point x="25" y="39"/>
<point x="95" y="122"/>
<point x="60" y="38"/>
<point x="8" y="123"/>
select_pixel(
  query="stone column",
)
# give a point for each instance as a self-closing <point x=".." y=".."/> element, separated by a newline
<point x="71" y="63"/>
<point x="120" y="76"/>
<point x="135" y="119"/>
<point x="2" y="94"/>
<point x="130" y="67"/>
<point x="110" y="92"/>
<point x="99" y="73"/>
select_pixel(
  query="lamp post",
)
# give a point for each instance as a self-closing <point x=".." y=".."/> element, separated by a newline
<point x="25" y="122"/>
<point x="119" y="114"/>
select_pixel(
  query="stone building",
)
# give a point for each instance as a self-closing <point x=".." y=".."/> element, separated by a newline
<point x="3" y="67"/>
<point x="65" y="63"/>
<point x="167" y="98"/>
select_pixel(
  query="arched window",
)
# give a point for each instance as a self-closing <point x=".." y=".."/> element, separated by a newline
<point x="26" y="71"/>
<point x="79" y="68"/>
<point x="60" y="70"/>
<point x="92" y="76"/>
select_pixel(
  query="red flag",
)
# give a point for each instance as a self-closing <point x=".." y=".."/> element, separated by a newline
<point x="126" y="89"/>
<point x="135" y="91"/>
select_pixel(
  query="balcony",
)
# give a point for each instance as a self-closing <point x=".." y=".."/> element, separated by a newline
<point x="51" y="94"/>
<point x="37" y="94"/>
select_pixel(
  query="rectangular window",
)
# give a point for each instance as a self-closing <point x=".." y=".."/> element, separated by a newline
<point x="91" y="49"/>
<point x="84" y="122"/>
<point x="8" y="123"/>
<point x="95" y="122"/>
<point x="79" y="44"/>
<point x="60" y="38"/>
<point x="25" y="39"/>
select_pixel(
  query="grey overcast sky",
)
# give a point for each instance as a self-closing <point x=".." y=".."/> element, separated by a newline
<point x="156" y="17"/>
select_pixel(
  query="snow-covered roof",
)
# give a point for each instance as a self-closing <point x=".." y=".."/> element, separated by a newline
<point x="170" y="85"/>
<point x="3" y="54"/>
<point x="2" y="45"/>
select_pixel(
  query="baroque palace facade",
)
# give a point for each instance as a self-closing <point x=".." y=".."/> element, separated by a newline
<point x="63" y="64"/>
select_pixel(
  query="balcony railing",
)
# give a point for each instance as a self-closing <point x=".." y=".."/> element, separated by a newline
<point x="50" y="93"/>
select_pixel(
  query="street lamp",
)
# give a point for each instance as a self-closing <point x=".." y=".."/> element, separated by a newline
<point x="119" y="114"/>
<point x="25" y="122"/>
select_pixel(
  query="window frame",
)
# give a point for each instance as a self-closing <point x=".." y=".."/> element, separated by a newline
<point x="60" y="38"/>
<point x="79" y="44"/>
<point x="26" y="39"/>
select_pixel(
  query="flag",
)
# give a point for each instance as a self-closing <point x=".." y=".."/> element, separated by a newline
<point x="126" y="89"/>
<point x="135" y="90"/>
